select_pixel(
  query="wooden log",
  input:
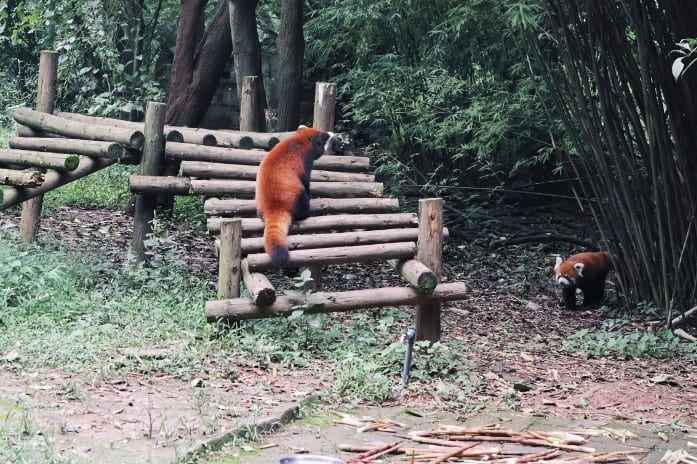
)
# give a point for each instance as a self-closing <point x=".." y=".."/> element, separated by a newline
<point x="152" y="164"/>
<point x="40" y="159"/>
<point x="229" y="259"/>
<point x="77" y="129"/>
<point x="329" y="222"/>
<point x="334" y="239"/>
<point x="45" y="101"/>
<point x="325" y="106"/>
<point x="416" y="273"/>
<point x="244" y="188"/>
<point x="252" y="104"/>
<point x="171" y="133"/>
<point x="98" y="148"/>
<point x="326" y="302"/>
<point x="261" y="290"/>
<point x="190" y="152"/>
<point x="318" y="206"/>
<point x="430" y="253"/>
<point x="207" y="170"/>
<point x="336" y="255"/>
<point x="24" y="178"/>
<point x="247" y="139"/>
<point x="54" y="179"/>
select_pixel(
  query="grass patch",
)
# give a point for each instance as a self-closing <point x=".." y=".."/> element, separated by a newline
<point x="63" y="311"/>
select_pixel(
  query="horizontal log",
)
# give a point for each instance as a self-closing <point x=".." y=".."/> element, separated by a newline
<point x="208" y="170"/>
<point x="329" y="222"/>
<point x="260" y="289"/>
<point x="326" y="302"/>
<point x="53" y="179"/>
<point x="334" y="239"/>
<point x="78" y="129"/>
<point x="171" y="133"/>
<point x="318" y="206"/>
<point x="246" y="140"/>
<point x="243" y="188"/>
<point x="190" y="152"/>
<point x="93" y="148"/>
<point x="24" y="178"/>
<point x="336" y="255"/>
<point x="40" y="159"/>
<point x="416" y="273"/>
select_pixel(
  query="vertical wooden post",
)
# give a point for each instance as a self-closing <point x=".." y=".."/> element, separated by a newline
<point x="229" y="258"/>
<point x="45" y="102"/>
<point x="430" y="252"/>
<point x="325" y="106"/>
<point x="152" y="164"/>
<point x="251" y="105"/>
<point x="323" y="119"/>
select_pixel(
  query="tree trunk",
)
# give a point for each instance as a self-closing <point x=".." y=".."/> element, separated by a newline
<point x="291" y="48"/>
<point x="198" y="64"/>
<point x="196" y="72"/>
<point x="246" y="50"/>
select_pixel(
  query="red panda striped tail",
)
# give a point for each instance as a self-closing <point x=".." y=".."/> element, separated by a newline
<point x="276" y="226"/>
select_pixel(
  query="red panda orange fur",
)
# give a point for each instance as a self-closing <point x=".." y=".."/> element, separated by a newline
<point x="586" y="271"/>
<point x="283" y="187"/>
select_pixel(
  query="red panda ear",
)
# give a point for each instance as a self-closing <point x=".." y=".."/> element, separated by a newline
<point x="558" y="262"/>
<point x="579" y="268"/>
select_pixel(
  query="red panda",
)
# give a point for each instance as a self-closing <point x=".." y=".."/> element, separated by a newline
<point x="586" y="271"/>
<point x="283" y="187"/>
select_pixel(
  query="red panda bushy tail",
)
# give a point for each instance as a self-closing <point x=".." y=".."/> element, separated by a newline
<point x="276" y="226"/>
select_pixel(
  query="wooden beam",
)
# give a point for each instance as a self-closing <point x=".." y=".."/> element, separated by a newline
<point x="243" y="188"/>
<point x="40" y="159"/>
<point x="76" y="129"/>
<point x="336" y="255"/>
<point x="54" y="179"/>
<point x="190" y="152"/>
<point x="326" y="302"/>
<point x="328" y="222"/>
<point x="260" y="289"/>
<point x="93" y="148"/>
<point x="416" y="273"/>
<point x="24" y="178"/>
<point x="207" y="170"/>
<point x="333" y="239"/>
<point x="318" y="206"/>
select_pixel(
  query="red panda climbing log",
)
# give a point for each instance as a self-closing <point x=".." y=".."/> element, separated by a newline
<point x="586" y="271"/>
<point x="283" y="187"/>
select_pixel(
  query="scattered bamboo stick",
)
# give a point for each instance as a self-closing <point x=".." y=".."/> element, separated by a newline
<point x="469" y="445"/>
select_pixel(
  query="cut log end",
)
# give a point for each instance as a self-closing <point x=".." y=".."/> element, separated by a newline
<point x="174" y="136"/>
<point x="137" y="139"/>
<point x="72" y="162"/>
<point x="266" y="297"/>
<point x="210" y="140"/>
<point x="246" y="142"/>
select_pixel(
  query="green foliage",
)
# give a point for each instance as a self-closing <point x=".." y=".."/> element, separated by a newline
<point x="65" y="311"/>
<point x="107" y="188"/>
<point x="606" y="343"/>
<point x="437" y="89"/>
<point x="111" y="53"/>
<point x="368" y="360"/>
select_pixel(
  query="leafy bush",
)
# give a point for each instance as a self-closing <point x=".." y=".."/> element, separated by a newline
<point x="606" y="343"/>
<point x="436" y="89"/>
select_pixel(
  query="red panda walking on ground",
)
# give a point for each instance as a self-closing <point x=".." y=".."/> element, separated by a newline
<point x="283" y="187"/>
<point x="586" y="271"/>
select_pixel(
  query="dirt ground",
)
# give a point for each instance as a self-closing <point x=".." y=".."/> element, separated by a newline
<point x="511" y="324"/>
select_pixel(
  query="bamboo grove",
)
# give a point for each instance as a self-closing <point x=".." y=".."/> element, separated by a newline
<point x="631" y="131"/>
